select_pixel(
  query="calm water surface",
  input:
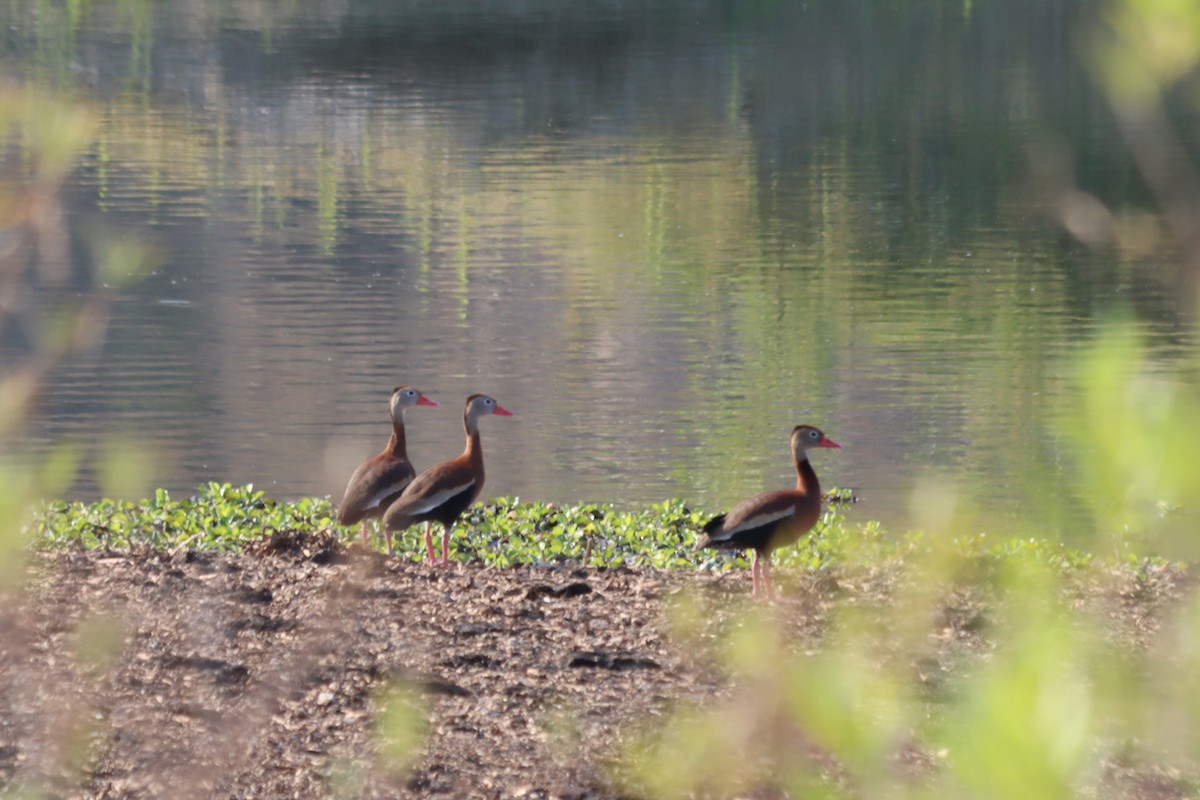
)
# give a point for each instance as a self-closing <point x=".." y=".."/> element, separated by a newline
<point x="661" y="233"/>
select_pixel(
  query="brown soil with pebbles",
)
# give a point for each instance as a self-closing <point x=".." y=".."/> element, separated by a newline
<point x="149" y="674"/>
<point x="259" y="675"/>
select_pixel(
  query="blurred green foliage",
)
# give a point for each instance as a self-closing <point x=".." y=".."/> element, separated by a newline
<point x="1147" y="46"/>
<point x="1136" y="440"/>
<point x="51" y="315"/>
<point x="401" y="725"/>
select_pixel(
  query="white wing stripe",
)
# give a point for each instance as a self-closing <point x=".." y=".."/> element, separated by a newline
<point x="433" y="501"/>
<point x="374" y="500"/>
<point x="756" y="521"/>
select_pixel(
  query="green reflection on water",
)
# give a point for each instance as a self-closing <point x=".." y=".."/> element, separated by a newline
<point x="785" y="211"/>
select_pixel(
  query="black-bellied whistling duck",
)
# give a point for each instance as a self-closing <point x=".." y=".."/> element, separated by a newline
<point x="775" y="519"/>
<point x="378" y="482"/>
<point x="442" y="493"/>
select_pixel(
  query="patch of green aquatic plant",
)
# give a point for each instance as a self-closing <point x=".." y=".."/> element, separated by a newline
<point x="508" y="531"/>
<point x="218" y="517"/>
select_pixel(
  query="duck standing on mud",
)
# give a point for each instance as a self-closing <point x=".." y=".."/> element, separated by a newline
<point x="377" y="483"/>
<point x="442" y="493"/>
<point x="775" y="519"/>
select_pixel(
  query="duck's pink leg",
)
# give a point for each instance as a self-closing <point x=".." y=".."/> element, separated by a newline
<point x="429" y="542"/>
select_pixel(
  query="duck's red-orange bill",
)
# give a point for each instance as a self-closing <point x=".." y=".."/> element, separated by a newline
<point x="425" y="401"/>
<point x="502" y="411"/>
<point x="827" y="442"/>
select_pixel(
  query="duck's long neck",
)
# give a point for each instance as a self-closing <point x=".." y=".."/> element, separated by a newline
<point x="398" y="444"/>
<point x="474" y="449"/>
<point x="806" y="476"/>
